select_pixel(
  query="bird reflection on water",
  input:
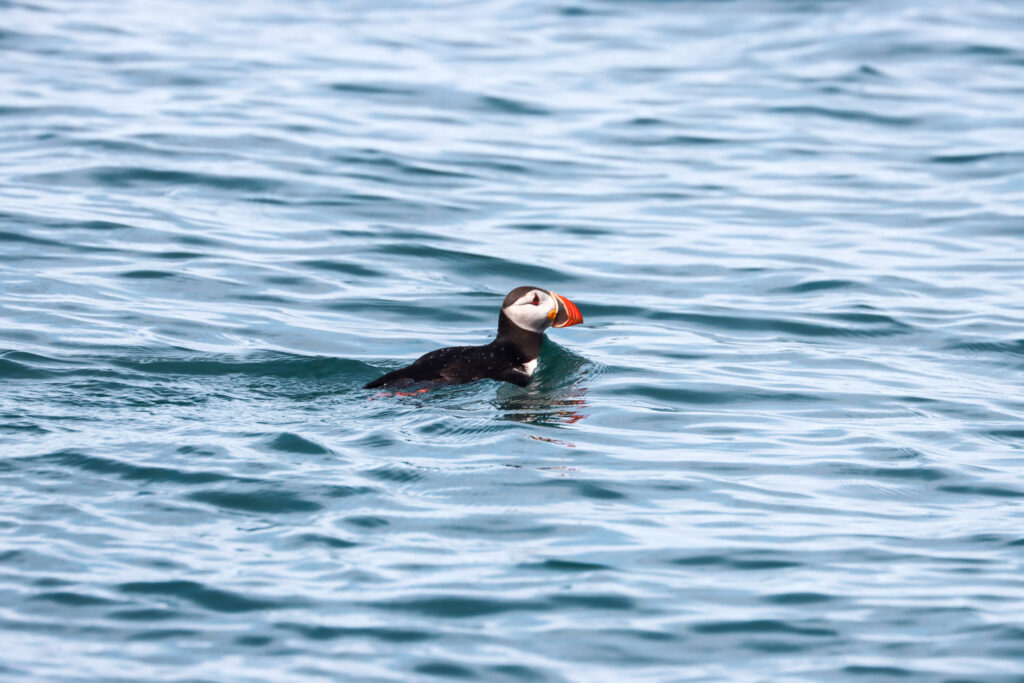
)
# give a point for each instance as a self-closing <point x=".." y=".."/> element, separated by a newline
<point x="545" y="408"/>
<point x="556" y="397"/>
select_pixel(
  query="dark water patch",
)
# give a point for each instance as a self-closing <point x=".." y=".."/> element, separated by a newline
<point x="571" y="229"/>
<point x="400" y="165"/>
<point x="271" y="365"/>
<point x="165" y="634"/>
<point x="128" y="177"/>
<point x="508" y="105"/>
<point x="956" y="159"/>
<point x="198" y="594"/>
<point x="71" y="599"/>
<point x="1013" y="348"/>
<point x="476" y="264"/>
<point x="147" y="614"/>
<point x="595" y="601"/>
<point x="341" y="491"/>
<point x="773" y="646"/>
<point x="444" y="669"/>
<point x="502" y="528"/>
<point x="565" y="566"/>
<point x="458" y="607"/>
<point x="6" y="236"/>
<point x="353" y="269"/>
<point x="868" y="318"/>
<point x="367" y="521"/>
<point x="645" y="121"/>
<point x="518" y="672"/>
<point x="265" y="501"/>
<point x="128" y="471"/>
<point x="761" y="626"/>
<point x="288" y="442"/>
<point x="981" y="490"/>
<point x="920" y="472"/>
<point x="750" y="562"/>
<point x="321" y="539"/>
<point x="51" y="582"/>
<point x="202" y="451"/>
<point x="886" y="326"/>
<point x="394" y="473"/>
<point x="876" y="671"/>
<point x="586" y="489"/>
<point x="808" y="598"/>
<point x="36" y="359"/>
<point x="647" y="139"/>
<point x="869" y="117"/>
<point x="492" y="163"/>
<point x="149" y="78"/>
<point x="286" y="280"/>
<point x="48" y="110"/>
<point x="812" y="286"/>
<point x="646" y="635"/>
<point x="253" y="641"/>
<point x="179" y="255"/>
<point x="755" y="565"/>
<point x="1009" y="434"/>
<point x="668" y="395"/>
<point x="146" y="274"/>
<point x="100" y="225"/>
<point x="383" y="634"/>
<point x="29" y="561"/>
<point x="694" y="140"/>
<point x="373" y="89"/>
<point x="11" y="369"/>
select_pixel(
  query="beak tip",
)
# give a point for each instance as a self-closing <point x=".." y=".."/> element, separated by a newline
<point x="573" y="315"/>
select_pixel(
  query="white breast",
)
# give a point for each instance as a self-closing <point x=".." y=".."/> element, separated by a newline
<point x="530" y="366"/>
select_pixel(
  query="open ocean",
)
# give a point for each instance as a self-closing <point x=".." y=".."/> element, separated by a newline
<point x="786" y="445"/>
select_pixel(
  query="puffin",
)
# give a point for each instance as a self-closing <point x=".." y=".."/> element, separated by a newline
<point x="512" y="357"/>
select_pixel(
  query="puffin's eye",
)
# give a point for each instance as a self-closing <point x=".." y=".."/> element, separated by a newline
<point x="536" y="300"/>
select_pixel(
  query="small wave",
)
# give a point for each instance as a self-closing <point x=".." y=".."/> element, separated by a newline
<point x="72" y="599"/>
<point x="265" y="365"/>
<point x="818" y="286"/>
<point x="748" y="561"/>
<point x="861" y="116"/>
<point x="137" y="177"/>
<point x="763" y="626"/>
<point x="476" y="264"/>
<point x="508" y="105"/>
<point x="272" y="501"/>
<point x="148" y="473"/>
<point x="13" y="369"/>
<point x="867" y="325"/>
<point x="200" y="595"/>
<point x="294" y="443"/>
<point x="459" y="606"/>
<point x="556" y="565"/>
<point x="321" y="632"/>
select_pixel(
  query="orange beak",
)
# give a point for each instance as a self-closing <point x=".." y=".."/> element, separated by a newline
<point x="567" y="313"/>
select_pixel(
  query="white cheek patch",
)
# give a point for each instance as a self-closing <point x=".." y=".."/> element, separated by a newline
<point x="528" y="316"/>
<point x="530" y="366"/>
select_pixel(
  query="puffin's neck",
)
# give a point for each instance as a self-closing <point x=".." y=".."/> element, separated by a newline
<point x="527" y="342"/>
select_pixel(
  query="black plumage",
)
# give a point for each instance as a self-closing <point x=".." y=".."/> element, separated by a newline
<point x="505" y="359"/>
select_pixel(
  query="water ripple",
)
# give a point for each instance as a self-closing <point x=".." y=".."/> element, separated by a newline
<point x="785" y="445"/>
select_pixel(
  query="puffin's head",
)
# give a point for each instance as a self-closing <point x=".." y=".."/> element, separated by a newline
<point x="536" y="309"/>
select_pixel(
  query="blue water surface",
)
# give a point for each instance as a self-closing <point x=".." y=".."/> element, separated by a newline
<point x="786" y="445"/>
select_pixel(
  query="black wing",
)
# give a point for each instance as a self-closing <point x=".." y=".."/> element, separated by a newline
<point x="442" y="365"/>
